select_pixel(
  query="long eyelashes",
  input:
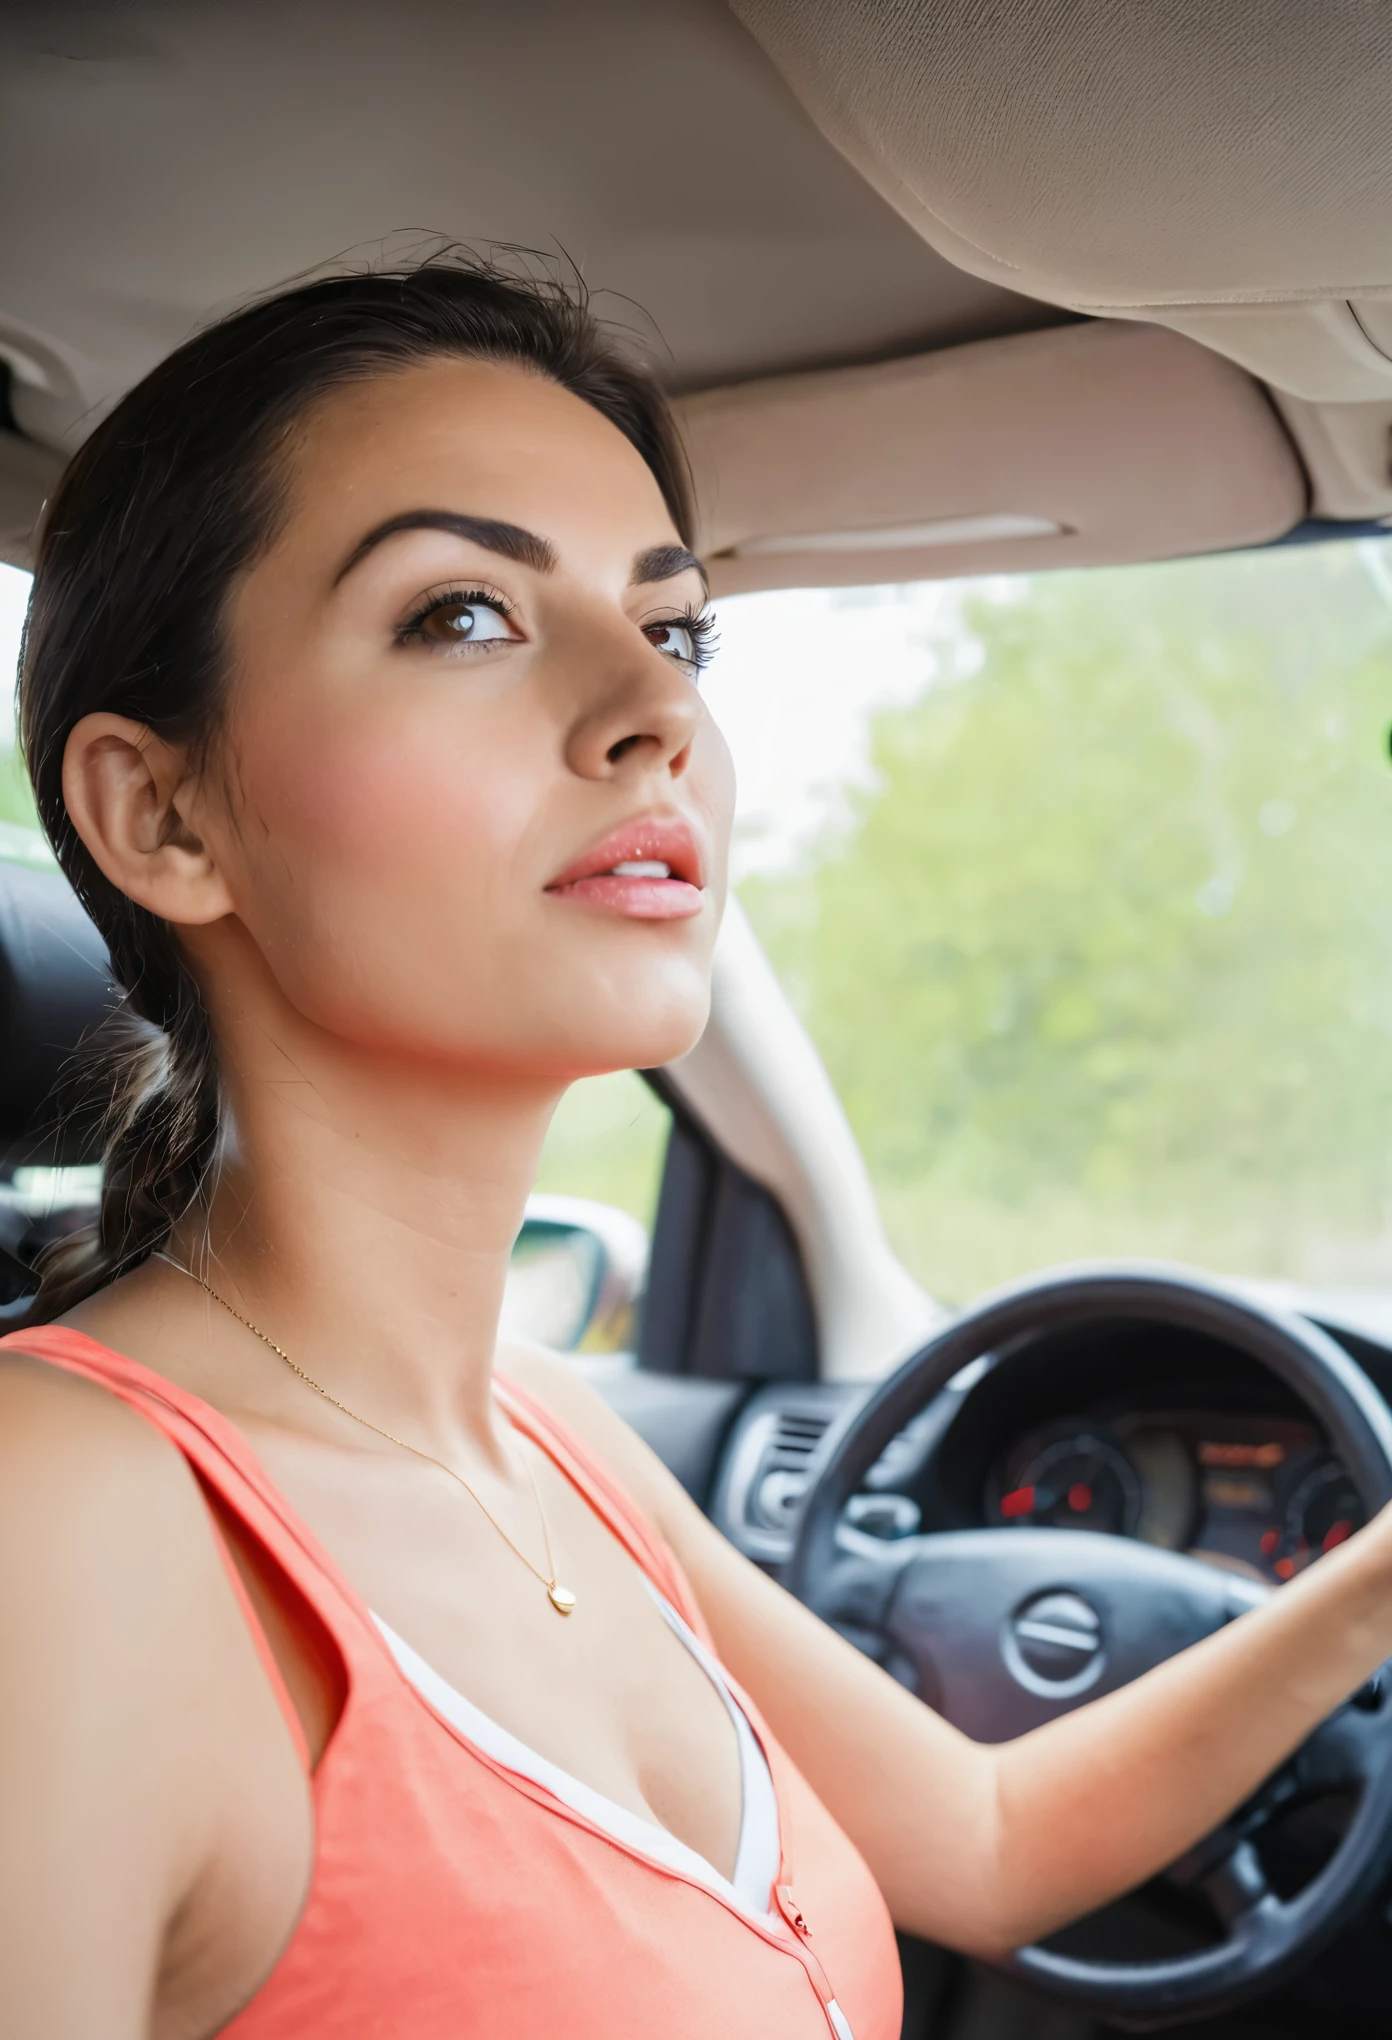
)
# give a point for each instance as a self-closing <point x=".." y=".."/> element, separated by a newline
<point x="705" y="637"/>
<point x="460" y="597"/>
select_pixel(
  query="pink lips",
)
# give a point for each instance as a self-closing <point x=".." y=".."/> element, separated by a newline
<point x="675" y="895"/>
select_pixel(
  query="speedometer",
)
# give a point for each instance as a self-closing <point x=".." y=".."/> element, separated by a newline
<point x="1323" y="1510"/>
<point x="1079" y="1482"/>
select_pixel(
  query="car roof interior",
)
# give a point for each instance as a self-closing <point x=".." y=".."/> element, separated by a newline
<point x="1106" y="283"/>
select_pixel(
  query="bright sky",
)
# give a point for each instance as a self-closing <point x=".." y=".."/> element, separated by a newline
<point x="793" y="685"/>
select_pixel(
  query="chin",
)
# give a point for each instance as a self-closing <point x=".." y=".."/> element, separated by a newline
<point x="640" y="1034"/>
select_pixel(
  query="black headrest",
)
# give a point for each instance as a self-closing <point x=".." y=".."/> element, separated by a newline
<point x="55" y="988"/>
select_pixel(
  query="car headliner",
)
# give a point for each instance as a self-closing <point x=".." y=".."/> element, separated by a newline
<point x="165" y="161"/>
<point x="168" y="159"/>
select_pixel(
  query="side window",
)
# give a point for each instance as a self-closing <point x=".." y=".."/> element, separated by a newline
<point x="608" y="1142"/>
<point x="580" y="1265"/>
<point x="19" y="831"/>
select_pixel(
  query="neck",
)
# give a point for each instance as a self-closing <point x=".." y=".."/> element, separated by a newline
<point x="364" y="1216"/>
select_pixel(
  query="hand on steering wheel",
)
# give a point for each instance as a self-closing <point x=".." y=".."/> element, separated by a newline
<point x="1002" y="1629"/>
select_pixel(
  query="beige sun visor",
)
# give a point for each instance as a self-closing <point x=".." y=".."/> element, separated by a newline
<point x="1085" y="445"/>
<point x="1225" y="170"/>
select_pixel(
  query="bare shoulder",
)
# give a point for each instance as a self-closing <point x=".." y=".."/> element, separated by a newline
<point x="69" y="1447"/>
<point x="130" y="1741"/>
<point x="553" y="1380"/>
<point x="107" y="1555"/>
<point x="747" y="1611"/>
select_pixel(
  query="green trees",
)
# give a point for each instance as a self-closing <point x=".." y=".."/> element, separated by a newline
<point x="1104" y="962"/>
<point x="16" y="798"/>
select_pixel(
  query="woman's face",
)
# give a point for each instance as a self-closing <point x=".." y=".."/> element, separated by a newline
<point x="475" y="809"/>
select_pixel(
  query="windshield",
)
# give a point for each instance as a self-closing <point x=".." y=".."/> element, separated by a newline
<point x="1082" y="885"/>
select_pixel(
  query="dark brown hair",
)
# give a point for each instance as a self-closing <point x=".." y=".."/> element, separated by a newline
<point x="174" y="494"/>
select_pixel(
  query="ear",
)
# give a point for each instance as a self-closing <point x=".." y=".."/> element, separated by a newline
<point x="128" y="792"/>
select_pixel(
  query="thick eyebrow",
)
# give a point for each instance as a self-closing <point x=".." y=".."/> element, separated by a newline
<point x="510" y="540"/>
<point x="664" y="563"/>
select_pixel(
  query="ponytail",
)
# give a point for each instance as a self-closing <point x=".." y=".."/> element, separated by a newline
<point x="158" y="1088"/>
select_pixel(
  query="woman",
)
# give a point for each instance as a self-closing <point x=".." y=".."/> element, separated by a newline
<point x="350" y="1688"/>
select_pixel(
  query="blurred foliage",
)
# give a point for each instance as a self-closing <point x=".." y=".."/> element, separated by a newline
<point x="16" y="795"/>
<point x="608" y="1140"/>
<point x="1102" y="963"/>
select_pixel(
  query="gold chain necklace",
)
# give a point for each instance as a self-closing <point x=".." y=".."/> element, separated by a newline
<point x="561" y="1598"/>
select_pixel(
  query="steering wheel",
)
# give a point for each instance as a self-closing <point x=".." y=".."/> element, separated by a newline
<point x="1007" y="1628"/>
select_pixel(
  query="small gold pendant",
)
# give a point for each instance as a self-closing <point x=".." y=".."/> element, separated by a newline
<point x="561" y="1598"/>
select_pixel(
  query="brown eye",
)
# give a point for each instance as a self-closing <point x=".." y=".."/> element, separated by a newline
<point x="675" y="640"/>
<point x="458" y="621"/>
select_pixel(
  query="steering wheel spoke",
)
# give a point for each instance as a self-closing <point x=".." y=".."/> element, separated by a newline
<point x="857" y="1589"/>
<point x="1228" y="1872"/>
<point x="1347" y="1750"/>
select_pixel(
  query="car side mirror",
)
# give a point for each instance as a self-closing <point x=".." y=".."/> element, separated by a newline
<point x="578" y="1270"/>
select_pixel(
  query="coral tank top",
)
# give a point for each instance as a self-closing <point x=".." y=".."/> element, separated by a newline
<point x="452" y="1896"/>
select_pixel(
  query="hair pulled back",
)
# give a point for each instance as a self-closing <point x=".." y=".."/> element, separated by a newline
<point x="175" y="494"/>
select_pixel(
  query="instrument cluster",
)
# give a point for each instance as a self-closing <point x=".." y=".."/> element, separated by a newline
<point x="1255" y="1495"/>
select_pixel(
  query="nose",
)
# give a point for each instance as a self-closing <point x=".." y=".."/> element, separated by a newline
<point x="640" y="715"/>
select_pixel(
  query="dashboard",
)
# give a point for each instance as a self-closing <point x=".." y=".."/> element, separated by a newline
<point x="1135" y="1431"/>
<point x="1262" y="1496"/>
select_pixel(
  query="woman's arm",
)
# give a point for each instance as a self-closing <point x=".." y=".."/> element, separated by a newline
<point x="987" y="1847"/>
<point x="127" y="1686"/>
<point x="95" y="1851"/>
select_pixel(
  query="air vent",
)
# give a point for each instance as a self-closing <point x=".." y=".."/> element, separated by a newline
<point x="799" y="1433"/>
<point x="785" y="1467"/>
<point x="779" y="1446"/>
